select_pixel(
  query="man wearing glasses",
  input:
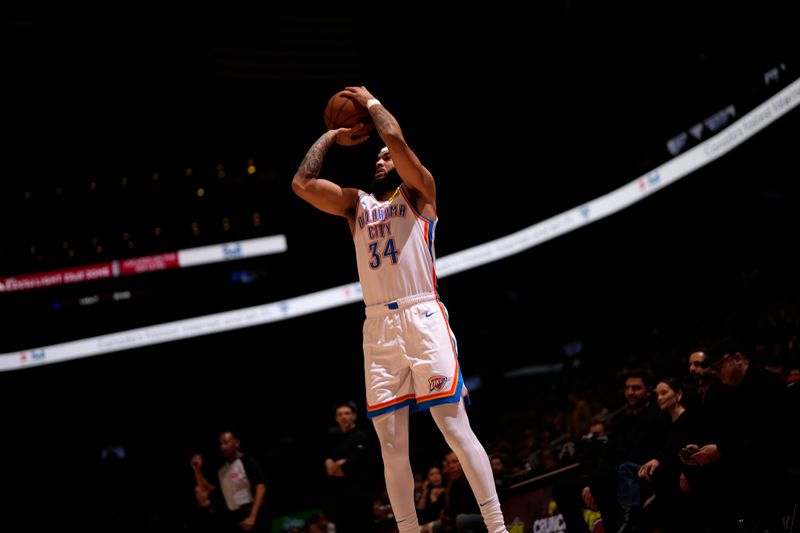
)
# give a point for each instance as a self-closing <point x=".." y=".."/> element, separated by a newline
<point x="746" y="445"/>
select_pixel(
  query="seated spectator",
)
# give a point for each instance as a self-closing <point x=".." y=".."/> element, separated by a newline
<point x="501" y="473"/>
<point x="432" y="499"/>
<point x="674" y="507"/>
<point x="461" y="513"/>
<point x="635" y="437"/>
<point x="747" y="428"/>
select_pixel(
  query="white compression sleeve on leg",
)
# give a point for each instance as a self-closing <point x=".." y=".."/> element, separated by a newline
<point x="453" y="422"/>
<point x="392" y="430"/>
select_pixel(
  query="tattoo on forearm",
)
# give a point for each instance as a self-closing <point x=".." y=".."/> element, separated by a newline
<point x="312" y="163"/>
<point x="383" y="119"/>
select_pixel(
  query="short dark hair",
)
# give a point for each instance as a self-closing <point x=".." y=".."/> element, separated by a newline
<point x="645" y="375"/>
<point x="233" y="431"/>
<point x="346" y="403"/>
<point x="703" y="349"/>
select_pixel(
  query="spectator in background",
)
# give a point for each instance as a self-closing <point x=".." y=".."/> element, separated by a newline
<point x="635" y="437"/>
<point x="578" y="516"/>
<point x="748" y="437"/>
<point x="349" y="496"/>
<point x="696" y="359"/>
<point x="432" y="499"/>
<point x="241" y="482"/>
<point x="502" y="474"/>
<point x="579" y="414"/>
<point x="793" y="408"/>
<point x="699" y="380"/>
<point x="461" y="513"/>
<point x="665" y="471"/>
<point x="206" y="517"/>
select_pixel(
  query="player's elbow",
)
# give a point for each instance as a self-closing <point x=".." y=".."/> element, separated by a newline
<point x="300" y="185"/>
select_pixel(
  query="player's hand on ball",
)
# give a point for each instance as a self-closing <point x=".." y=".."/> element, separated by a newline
<point x="352" y="136"/>
<point x="360" y="94"/>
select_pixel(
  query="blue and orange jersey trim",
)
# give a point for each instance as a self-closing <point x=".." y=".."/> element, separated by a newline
<point x="428" y="232"/>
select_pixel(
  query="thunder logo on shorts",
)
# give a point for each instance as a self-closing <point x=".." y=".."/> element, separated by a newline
<point x="437" y="383"/>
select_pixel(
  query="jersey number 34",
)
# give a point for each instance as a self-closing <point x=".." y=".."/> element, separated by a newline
<point x="388" y="251"/>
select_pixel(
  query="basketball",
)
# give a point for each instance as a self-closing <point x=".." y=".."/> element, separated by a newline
<point x="344" y="112"/>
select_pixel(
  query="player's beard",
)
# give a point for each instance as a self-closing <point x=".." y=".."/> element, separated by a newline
<point x="386" y="183"/>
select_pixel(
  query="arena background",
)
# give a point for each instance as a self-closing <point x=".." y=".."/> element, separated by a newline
<point x="519" y="117"/>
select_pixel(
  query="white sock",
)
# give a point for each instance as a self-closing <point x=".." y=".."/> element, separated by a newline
<point x="492" y="515"/>
<point x="408" y="523"/>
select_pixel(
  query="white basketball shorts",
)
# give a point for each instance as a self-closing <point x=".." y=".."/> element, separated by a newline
<point x="410" y="356"/>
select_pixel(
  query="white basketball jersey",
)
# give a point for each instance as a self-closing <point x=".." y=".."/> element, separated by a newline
<point x="394" y="249"/>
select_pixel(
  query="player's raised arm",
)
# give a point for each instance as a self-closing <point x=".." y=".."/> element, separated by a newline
<point x="323" y="194"/>
<point x="413" y="173"/>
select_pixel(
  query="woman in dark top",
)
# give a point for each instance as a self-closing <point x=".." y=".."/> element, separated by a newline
<point x="666" y="471"/>
<point x="431" y="501"/>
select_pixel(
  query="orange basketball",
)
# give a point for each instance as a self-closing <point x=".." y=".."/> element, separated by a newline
<point x="344" y="112"/>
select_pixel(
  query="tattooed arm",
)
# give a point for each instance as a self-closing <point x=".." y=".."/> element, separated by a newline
<point x="415" y="176"/>
<point x="323" y="194"/>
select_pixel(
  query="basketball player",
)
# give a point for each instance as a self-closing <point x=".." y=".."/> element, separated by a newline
<point x="410" y="355"/>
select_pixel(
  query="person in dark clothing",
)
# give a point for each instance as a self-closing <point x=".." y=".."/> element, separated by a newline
<point x="698" y="381"/>
<point x="676" y="509"/>
<point x="432" y="499"/>
<point x="461" y="513"/>
<point x="635" y="437"/>
<point x="349" y="479"/>
<point x="747" y="440"/>
<point x="567" y="489"/>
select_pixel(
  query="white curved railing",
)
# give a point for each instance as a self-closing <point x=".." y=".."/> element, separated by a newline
<point x="570" y="220"/>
